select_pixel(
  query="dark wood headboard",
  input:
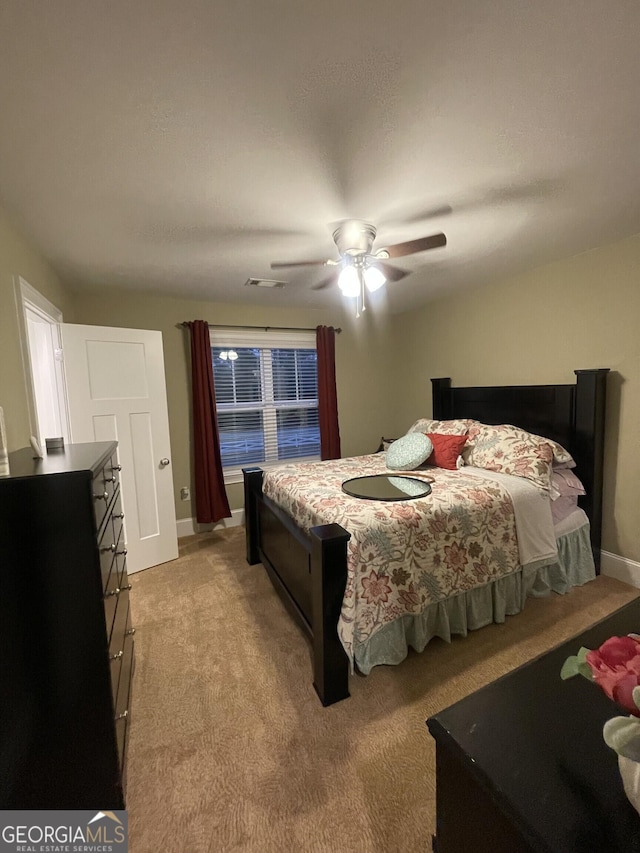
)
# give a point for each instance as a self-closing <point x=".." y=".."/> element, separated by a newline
<point x="572" y="415"/>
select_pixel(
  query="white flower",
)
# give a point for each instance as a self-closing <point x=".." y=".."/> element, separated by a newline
<point x="622" y="734"/>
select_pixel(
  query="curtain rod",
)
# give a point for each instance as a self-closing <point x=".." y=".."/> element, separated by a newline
<point x="265" y="328"/>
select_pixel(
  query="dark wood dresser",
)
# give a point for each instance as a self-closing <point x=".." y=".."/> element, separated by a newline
<point x="521" y="766"/>
<point x="66" y="651"/>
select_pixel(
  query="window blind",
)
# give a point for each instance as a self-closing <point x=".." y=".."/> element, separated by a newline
<point x="266" y="398"/>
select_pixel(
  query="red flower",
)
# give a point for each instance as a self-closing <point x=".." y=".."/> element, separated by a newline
<point x="479" y="496"/>
<point x="410" y="597"/>
<point x="616" y="669"/>
<point x="455" y="557"/>
<point x="409" y="515"/>
<point x="482" y="570"/>
<point x="438" y="523"/>
<point x="376" y="588"/>
<point x="522" y="467"/>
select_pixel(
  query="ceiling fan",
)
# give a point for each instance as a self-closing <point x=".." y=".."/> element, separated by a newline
<point x="359" y="267"/>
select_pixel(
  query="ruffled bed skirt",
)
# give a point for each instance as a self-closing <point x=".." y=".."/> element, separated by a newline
<point x="479" y="607"/>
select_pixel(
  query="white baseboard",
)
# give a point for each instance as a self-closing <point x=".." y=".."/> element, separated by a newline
<point x="627" y="571"/>
<point x="189" y="526"/>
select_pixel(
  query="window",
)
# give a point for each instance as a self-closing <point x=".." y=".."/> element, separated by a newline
<point x="266" y="398"/>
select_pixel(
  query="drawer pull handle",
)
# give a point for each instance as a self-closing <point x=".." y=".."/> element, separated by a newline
<point x="130" y="632"/>
<point x="110" y="480"/>
<point x="125" y="588"/>
<point x="116" y="467"/>
<point x="123" y="715"/>
<point x="111" y="548"/>
<point x="123" y="552"/>
<point x="113" y="592"/>
<point x="117" y="656"/>
<point x="118" y="515"/>
<point x="103" y="497"/>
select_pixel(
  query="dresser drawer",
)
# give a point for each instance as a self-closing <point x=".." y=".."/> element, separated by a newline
<point x="117" y="641"/>
<point x="120" y="564"/>
<point x="111" y="595"/>
<point x="107" y="549"/>
<point x="115" y="665"/>
<point x="105" y="485"/>
<point x="111" y="476"/>
<point x="112" y="557"/>
<point x="100" y="497"/>
<point x="112" y="547"/>
<point x="115" y="596"/>
<point x="122" y="709"/>
<point x="117" y="516"/>
<point x="122" y="694"/>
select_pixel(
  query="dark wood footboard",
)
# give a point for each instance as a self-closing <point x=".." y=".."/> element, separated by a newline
<point x="309" y="573"/>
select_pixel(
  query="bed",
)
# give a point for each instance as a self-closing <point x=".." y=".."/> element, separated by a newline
<point x="311" y="565"/>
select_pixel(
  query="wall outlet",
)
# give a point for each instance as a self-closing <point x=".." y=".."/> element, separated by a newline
<point x="185" y="493"/>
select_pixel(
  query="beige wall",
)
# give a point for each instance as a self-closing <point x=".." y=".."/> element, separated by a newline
<point x="19" y="258"/>
<point x="362" y="365"/>
<point x="583" y="312"/>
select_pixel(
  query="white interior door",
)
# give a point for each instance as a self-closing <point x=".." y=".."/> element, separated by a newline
<point x="116" y="391"/>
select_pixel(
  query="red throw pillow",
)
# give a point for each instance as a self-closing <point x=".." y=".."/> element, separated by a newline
<point x="446" y="449"/>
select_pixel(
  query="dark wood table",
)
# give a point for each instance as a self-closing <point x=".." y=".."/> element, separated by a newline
<point x="521" y="765"/>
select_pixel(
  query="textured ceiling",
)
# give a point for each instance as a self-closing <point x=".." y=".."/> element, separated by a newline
<point x="180" y="146"/>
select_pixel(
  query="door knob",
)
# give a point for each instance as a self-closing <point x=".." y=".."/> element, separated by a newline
<point x="164" y="462"/>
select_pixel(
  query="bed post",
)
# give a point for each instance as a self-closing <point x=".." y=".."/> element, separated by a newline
<point x="252" y="493"/>
<point x="328" y="581"/>
<point x="589" y="418"/>
<point x="441" y="399"/>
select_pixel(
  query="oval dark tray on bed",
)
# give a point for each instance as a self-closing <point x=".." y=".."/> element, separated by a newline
<point x="386" y="487"/>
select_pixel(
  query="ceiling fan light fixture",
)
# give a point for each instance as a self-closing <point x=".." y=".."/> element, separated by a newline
<point x="374" y="279"/>
<point x="349" y="281"/>
<point x="358" y="269"/>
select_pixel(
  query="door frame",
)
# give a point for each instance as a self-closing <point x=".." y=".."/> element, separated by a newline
<point x="28" y="298"/>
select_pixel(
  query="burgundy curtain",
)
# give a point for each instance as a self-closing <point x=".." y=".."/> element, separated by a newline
<point x="327" y="394"/>
<point x="211" y="496"/>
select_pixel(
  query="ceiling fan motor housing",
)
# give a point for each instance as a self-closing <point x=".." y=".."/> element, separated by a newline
<point x="354" y="237"/>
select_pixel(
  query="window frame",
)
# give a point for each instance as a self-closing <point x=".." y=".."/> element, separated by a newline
<point x="265" y="340"/>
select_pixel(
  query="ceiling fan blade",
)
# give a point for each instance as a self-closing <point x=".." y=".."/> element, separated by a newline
<point x="278" y="266"/>
<point x="326" y="282"/>
<point x="391" y="273"/>
<point x="418" y="215"/>
<point x="399" y="250"/>
<point x="194" y="234"/>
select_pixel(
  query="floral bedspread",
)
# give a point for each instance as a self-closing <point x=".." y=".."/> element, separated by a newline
<point x="402" y="555"/>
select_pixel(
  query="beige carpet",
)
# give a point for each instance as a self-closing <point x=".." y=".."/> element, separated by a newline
<point x="230" y="749"/>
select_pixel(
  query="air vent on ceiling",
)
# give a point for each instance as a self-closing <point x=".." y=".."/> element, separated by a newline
<point x="264" y="282"/>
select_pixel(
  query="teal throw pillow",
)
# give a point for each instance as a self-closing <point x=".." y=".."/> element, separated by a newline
<point x="408" y="452"/>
